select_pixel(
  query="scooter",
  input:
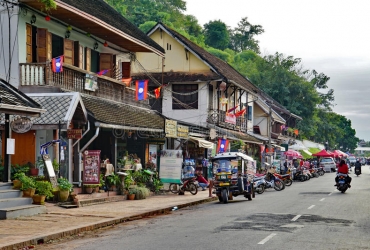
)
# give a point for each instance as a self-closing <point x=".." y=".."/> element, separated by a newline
<point x="342" y="183"/>
<point x="358" y="171"/>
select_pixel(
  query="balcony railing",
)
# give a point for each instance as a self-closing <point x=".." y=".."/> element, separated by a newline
<point x="75" y="79"/>
<point x="219" y="118"/>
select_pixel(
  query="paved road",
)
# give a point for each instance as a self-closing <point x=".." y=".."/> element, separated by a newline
<point x="308" y="215"/>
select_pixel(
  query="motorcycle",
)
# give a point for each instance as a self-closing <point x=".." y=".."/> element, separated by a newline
<point x="286" y="178"/>
<point x="320" y="171"/>
<point x="358" y="171"/>
<point x="259" y="184"/>
<point x="342" y="183"/>
<point x="188" y="184"/>
<point x="276" y="184"/>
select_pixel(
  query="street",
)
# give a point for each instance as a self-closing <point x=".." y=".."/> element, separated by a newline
<point x="306" y="215"/>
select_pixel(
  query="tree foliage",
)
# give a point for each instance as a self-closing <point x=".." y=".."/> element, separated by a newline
<point x="216" y="34"/>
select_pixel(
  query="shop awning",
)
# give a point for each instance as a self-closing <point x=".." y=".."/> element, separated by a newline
<point x="202" y="143"/>
<point x="111" y="114"/>
<point x="235" y="135"/>
<point x="61" y="107"/>
<point x="282" y="149"/>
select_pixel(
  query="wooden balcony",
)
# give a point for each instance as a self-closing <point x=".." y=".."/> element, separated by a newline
<point x="218" y="118"/>
<point x="77" y="80"/>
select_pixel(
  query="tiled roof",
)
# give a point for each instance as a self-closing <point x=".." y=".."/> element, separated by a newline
<point x="60" y="107"/>
<point x="221" y="67"/>
<point x="103" y="11"/>
<point x="177" y="77"/>
<point x="12" y="96"/>
<point x="117" y="113"/>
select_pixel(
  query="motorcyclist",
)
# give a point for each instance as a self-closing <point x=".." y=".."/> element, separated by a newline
<point x="358" y="165"/>
<point x="343" y="169"/>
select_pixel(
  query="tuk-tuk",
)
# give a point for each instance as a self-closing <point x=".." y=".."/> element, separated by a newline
<point x="234" y="172"/>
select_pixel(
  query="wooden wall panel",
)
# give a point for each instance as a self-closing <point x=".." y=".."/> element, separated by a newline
<point x="25" y="146"/>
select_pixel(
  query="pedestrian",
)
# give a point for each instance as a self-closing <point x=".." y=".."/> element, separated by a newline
<point x="203" y="183"/>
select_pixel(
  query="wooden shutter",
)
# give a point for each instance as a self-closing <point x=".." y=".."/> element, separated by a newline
<point x="88" y="59"/>
<point x="41" y="45"/>
<point x="126" y="70"/>
<point x="29" y="43"/>
<point x="106" y="62"/>
<point x="49" y="48"/>
<point x="78" y="55"/>
<point x="68" y="51"/>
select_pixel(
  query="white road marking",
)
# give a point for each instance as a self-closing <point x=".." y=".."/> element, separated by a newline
<point x="330" y="194"/>
<point x="266" y="239"/>
<point x="322" y="199"/>
<point x="296" y="217"/>
<point x="311" y="206"/>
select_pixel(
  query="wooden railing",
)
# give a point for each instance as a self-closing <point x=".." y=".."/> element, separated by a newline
<point x="74" y="79"/>
<point x="218" y="118"/>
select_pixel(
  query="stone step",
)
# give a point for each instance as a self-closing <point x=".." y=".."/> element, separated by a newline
<point x="13" y="202"/>
<point x="6" y="185"/>
<point x="17" y="211"/>
<point x="10" y="193"/>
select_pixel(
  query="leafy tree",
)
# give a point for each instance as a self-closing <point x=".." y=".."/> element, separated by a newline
<point x="242" y="37"/>
<point x="216" y="34"/>
<point x="145" y="27"/>
<point x="220" y="54"/>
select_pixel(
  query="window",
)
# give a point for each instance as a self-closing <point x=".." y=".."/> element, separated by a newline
<point x="250" y="113"/>
<point x="182" y="101"/>
<point x="58" y="46"/>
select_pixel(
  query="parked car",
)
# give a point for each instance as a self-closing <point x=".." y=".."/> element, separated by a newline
<point x="352" y="160"/>
<point x="362" y="161"/>
<point x="328" y="164"/>
<point x="368" y="161"/>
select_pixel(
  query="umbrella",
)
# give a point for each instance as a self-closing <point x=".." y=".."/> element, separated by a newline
<point x="293" y="153"/>
<point x="338" y="153"/>
<point x="323" y="153"/>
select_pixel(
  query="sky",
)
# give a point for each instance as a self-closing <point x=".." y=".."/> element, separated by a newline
<point x="330" y="36"/>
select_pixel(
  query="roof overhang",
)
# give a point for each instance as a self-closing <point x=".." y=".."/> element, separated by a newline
<point x="202" y="143"/>
<point x="123" y="127"/>
<point x="96" y="27"/>
<point x="21" y="110"/>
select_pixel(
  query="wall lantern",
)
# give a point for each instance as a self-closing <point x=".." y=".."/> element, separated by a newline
<point x="96" y="45"/>
<point x="67" y="34"/>
<point x="105" y="44"/>
<point x="222" y="86"/>
<point x="33" y="19"/>
<point x="47" y="18"/>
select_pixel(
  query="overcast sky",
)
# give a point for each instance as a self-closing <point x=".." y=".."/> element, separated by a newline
<point x="330" y="36"/>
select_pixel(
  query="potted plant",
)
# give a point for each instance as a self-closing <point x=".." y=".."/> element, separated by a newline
<point x="131" y="193"/>
<point x="17" y="183"/>
<point x="28" y="186"/>
<point x="141" y="193"/>
<point x="56" y="166"/>
<point x="113" y="180"/>
<point x="44" y="189"/>
<point x="88" y="188"/>
<point x="101" y="181"/>
<point x="65" y="187"/>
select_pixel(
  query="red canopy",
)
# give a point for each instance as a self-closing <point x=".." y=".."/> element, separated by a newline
<point x="293" y="153"/>
<point x="337" y="153"/>
<point x="323" y="153"/>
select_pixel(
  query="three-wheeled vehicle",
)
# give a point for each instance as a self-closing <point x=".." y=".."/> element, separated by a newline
<point x="234" y="172"/>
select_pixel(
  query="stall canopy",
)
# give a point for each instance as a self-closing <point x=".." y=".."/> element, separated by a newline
<point x="293" y="153"/>
<point x="323" y="153"/>
<point x="202" y="143"/>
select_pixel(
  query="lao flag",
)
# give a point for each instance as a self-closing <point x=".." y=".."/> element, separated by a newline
<point x="57" y="64"/>
<point x="141" y="89"/>
<point x="222" y="145"/>
<point x="103" y="72"/>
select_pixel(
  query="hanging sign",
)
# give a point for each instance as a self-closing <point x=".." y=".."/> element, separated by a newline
<point x="21" y="125"/>
<point x="182" y="131"/>
<point x="91" y="164"/>
<point x="171" y="128"/>
<point x="91" y="82"/>
<point x="74" y="133"/>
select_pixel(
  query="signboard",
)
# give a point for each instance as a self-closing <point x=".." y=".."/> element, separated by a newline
<point x="21" y="125"/>
<point x="74" y="133"/>
<point x="91" y="82"/>
<point x="10" y="146"/>
<point x="49" y="167"/>
<point x="153" y="155"/>
<point x="171" y="128"/>
<point x="230" y="118"/>
<point x="171" y="166"/>
<point x="91" y="166"/>
<point x="182" y="131"/>
<point x="251" y="167"/>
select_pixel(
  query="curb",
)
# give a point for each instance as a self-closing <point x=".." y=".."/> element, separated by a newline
<point x="35" y="240"/>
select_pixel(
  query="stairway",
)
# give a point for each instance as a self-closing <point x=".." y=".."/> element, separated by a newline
<point x="13" y="205"/>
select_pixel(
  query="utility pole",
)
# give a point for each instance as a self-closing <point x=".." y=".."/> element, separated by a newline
<point x="269" y="133"/>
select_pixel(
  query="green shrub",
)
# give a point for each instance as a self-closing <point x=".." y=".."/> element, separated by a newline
<point x="64" y="184"/>
<point x="44" y="188"/>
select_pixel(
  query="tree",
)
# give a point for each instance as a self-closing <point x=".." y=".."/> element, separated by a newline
<point x="242" y="37"/>
<point x="216" y="34"/>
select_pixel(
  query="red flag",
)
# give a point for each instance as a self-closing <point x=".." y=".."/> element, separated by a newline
<point x="157" y="92"/>
<point x="241" y="112"/>
<point x="141" y="89"/>
<point x="103" y="72"/>
<point x="57" y="64"/>
<point x="232" y="109"/>
<point x="127" y="81"/>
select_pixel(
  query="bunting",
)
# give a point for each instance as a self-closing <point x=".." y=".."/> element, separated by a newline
<point x="103" y="72"/>
<point x="57" y="64"/>
<point x="222" y="145"/>
<point x="157" y="92"/>
<point x="141" y="89"/>
<point x="241" y="112"/>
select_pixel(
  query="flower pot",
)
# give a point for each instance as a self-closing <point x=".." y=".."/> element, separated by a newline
<point x="38" y="199"/>
<point x="29" y="192"/>
<point x="34" y="171"/>
<point x="17" y="184"/>
<point x="63" y="195"/>
<point x="131" y="196"/>
<point x="88" y="190"/>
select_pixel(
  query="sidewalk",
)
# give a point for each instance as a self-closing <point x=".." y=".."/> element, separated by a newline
<point x="60" y="222"/>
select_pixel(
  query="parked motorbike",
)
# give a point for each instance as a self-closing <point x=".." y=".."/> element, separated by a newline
<point x="286" y="178"/>
<point x="299" y="176"/>
<point x="188" y="184"/>
<point x="320" y="171"/>
<point x="342" y="183"/>
<point x="259" y="184"/>
<point x="276" y="184"/>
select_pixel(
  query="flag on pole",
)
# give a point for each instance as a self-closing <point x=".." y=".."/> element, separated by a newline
<point x="141" y="89"/>
<point x="157" y="92"/>
<point x="222" y="145"/>
<point x="57" y="64"/>
<point x="232" y="109"/>
<point x="241" y="112"/>
<point x="127" y="81"/>
<point x="103" y="72"/>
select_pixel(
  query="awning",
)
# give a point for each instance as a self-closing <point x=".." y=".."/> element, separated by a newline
<point x="61" y="107"/>
<point x="202" y="143"/>
<point x="282" y="149"/>
<point x="307" y="152"/>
